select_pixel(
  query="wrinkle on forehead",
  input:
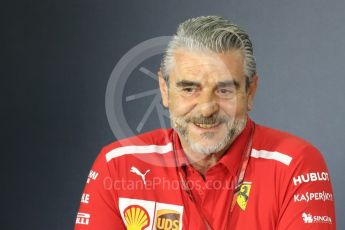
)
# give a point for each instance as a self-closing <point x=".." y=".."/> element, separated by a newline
<point x="198" y="64"/>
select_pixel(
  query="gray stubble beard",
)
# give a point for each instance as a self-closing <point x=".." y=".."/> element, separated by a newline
<point x="235" y="127"/>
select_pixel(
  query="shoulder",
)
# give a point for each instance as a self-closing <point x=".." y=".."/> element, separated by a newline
<point x="156" y="141"/>
<point x="284" y="147"/>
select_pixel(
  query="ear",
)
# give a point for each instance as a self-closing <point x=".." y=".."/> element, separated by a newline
<point x="164" y="89"/>
<point x="251" y="92"/>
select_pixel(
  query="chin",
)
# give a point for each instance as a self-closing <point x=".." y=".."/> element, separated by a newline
<point x="206" y="150"/>
<point x="206" y="147"/>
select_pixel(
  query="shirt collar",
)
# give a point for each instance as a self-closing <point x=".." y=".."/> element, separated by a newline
<point x="179" y="153"/>
<point x="231" y="158"/>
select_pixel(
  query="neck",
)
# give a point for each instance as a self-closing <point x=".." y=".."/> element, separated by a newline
<point x="202" y="162"/>
<point x="206" y="162"/>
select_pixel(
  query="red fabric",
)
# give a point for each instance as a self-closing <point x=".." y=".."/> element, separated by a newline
<point x="287" y="178"/>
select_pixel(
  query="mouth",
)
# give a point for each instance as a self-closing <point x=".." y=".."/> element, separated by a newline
<point x="206" y="126"/>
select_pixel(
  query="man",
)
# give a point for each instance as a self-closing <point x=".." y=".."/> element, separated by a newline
<point x="216" y="169"/>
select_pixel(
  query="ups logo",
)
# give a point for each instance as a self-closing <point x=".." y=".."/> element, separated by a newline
<point x="167" y="220"/>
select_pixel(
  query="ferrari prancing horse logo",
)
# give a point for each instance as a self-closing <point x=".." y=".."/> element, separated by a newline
<point x="243" y="195"/>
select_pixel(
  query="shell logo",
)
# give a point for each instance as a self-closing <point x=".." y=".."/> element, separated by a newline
<point x="136" y="217"/>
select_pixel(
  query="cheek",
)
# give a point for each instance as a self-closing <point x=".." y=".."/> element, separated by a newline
<point x="179" y="106"/>
<point x="233" y="108"/>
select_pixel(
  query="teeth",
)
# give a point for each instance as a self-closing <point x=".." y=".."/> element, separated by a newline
<point x="206" y="126"/>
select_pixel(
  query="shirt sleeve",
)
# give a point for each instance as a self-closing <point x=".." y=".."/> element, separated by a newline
<point x="98" y="206"/>
<point x="307" y="202"/>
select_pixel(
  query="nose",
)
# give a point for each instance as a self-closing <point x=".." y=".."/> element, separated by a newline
<point x="208" y="104"/>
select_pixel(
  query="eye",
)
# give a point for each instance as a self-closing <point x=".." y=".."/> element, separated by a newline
<point x="189" y="90"/>
<point x="225" y="92"/>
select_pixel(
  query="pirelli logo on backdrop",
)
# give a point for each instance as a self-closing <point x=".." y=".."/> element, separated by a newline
<point x="167" y="219"/>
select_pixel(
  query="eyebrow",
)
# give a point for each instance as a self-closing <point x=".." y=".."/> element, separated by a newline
<point x="229" y="83"/>
<point x="185" y="83"/>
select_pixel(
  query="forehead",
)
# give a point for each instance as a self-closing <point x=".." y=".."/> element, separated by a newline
<point x="207" y="65"/>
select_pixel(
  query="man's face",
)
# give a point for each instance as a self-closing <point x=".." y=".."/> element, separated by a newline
<point x="207" y="99"/>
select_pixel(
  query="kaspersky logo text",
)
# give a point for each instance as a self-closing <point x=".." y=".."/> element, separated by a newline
<point x="313" y="196"/>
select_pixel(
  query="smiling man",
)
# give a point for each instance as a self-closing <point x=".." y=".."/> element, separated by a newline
<point x="208" y="102"/>
<point x="216" y="168"/>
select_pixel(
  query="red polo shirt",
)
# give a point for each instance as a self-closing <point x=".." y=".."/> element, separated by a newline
<point x="215" y="189"/>
<point x="140" y="183"/>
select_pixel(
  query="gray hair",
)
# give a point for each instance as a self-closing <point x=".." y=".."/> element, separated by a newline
<point x="212" y="33"/>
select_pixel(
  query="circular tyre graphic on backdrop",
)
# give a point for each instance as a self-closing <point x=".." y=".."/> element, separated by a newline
<point x="132" y="100"/>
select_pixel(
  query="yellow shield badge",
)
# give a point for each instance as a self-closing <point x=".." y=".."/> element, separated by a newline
<point x="243" y="195"/>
